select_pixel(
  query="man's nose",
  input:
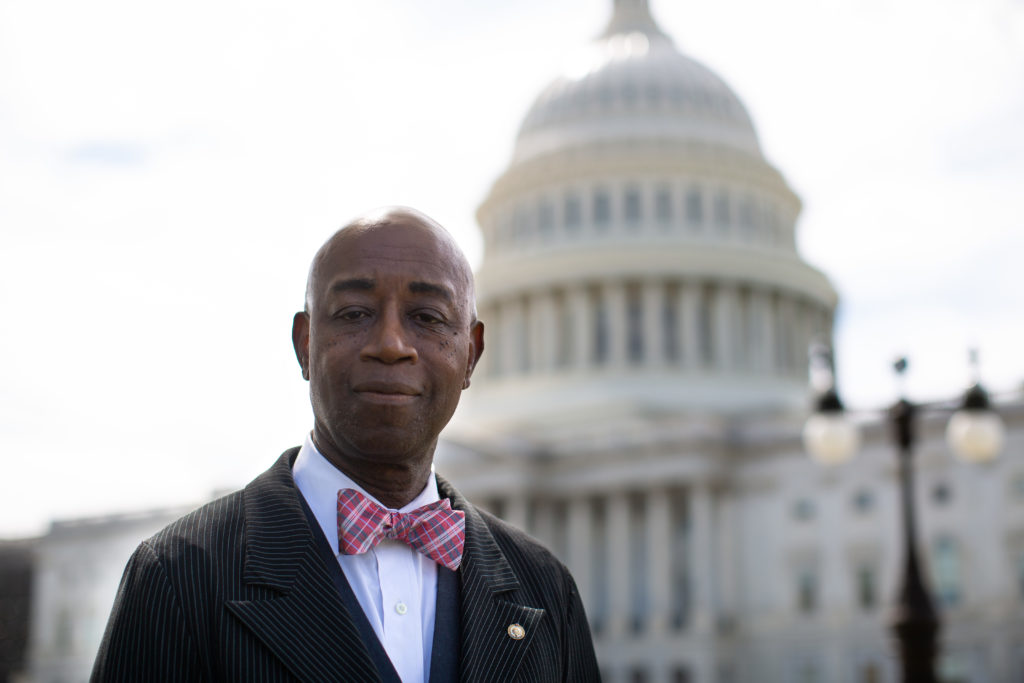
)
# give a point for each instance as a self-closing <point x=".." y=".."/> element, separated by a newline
<point x="389" y="340"/>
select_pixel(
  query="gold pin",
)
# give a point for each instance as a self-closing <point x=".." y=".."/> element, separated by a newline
<point x="516" y="632"/>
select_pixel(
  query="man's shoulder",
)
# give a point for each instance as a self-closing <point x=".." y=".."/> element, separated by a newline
<point x="217" y="527"/>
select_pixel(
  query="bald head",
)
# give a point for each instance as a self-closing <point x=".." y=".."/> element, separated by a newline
<point x="388" y="341"/>
<point x="401" y="224"/>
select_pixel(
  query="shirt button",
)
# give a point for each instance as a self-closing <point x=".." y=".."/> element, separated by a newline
<point x="401" y="607"/>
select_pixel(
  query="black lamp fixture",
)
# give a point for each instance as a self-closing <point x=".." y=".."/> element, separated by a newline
<point x="975" y="433"/>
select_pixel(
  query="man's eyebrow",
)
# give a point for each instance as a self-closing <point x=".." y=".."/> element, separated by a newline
<point x="360" y="283"/>
<point x="430" y="288"/>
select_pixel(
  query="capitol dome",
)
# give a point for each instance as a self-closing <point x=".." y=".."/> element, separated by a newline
<point x="639" y="251"/>
<point x="633" y="83"/>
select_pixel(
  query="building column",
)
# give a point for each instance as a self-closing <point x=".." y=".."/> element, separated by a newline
<point x="701" y="559"/>
<point x="615" y="302"/>
<point x="582" y="314"/>
<point x="654" y="322"/>
<point x="515" y="511"/>
<point x="688" y="321"/>
<point x="488" y="366"/>
<point x="617" y="533"/>
<point x="784" y="320"/>
<point x="659" y="545"/>
<point x="579" y="542"/>
<point x="761" y="320"/>
<point x="543" y="333"/>
<point x="513" y="337"/>
<point x="723" y="326"/>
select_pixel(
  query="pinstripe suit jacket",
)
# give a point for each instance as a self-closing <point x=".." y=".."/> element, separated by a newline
<point x="238" y="591"/>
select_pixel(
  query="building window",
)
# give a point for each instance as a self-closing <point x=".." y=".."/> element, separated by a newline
<point x="638" y="675"/>
<point x="521" y="221"/>
<point x="867" y="589"/>
<point x="720" y="209"/>
<point x="663" y="207"/>
<point x="635" y="321"/>
<point x="566" y="339"/>
<point x="670" y="326"/>
<point x="679" y="598"/>
<point x="600" y="330"/>
<point x="806" y="590"/>
<point x="705" y="339"/>
<point x="632" y="208"/>
<point x="573" y="211"/>
<point x="602" y="209"/>
<point x="946" y="566"/>
<point x="863" y="501"/>
<point x="746" y="211"/>
<point x="804" y="510"/>
<point x="680" y="675"/>
<point x="694" y="207"/>
<point x="546" y="217"/>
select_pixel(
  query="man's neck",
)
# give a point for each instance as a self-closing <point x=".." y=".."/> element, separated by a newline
<point x="395" y="485"/>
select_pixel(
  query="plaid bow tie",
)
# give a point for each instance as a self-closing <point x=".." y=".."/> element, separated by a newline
<point x="435" y="530"/>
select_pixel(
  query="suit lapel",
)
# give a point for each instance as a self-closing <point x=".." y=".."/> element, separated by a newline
<point x="488" y="609"/>
<point x="301" y="619"/>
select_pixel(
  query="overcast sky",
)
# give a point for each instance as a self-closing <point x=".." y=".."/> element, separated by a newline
<point x="168" y="169"/>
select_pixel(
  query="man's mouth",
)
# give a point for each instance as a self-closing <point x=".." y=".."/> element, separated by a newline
<point x="389" y="393"/>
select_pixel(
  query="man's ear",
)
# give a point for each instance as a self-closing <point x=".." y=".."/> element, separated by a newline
<point x="476" y="349"/>
<point x="300" y="341"/>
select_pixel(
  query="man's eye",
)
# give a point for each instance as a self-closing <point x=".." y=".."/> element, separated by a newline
<point x="428" y="318"/>
<point x="351" y="314"/>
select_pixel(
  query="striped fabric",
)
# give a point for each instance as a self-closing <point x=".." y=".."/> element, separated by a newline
<point x="435" y="530"/>
<point x="238" y="591"/>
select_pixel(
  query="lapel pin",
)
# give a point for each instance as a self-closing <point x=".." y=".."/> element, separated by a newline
<point x="516" y="632"/>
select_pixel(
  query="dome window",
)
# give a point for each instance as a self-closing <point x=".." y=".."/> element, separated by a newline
<point x="573" y="211"/>
<point x="633" y="208"/>
<point x="602" y="209"/>
<point x="694" y="207"/>
<point x="721" y="210"/>
<point x="546" y="217"/>
<point x="663" y="206"/>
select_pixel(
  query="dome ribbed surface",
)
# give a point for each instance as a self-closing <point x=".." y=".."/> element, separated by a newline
<point x="634" y="84"/>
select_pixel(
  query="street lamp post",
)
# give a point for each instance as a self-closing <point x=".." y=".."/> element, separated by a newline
<point x="914" y="620"/>
<point x="975" y="434"/>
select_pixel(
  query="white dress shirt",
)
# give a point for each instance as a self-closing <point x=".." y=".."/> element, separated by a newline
<point x="395" y="585"/>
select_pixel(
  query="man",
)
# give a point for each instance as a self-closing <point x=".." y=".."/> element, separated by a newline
<point x="349" y="560"/>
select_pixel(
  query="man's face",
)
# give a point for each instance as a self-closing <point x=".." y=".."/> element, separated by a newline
<point x="389" y="342"/>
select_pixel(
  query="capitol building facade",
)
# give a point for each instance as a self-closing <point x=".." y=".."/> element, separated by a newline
<point x="640" y="405"/>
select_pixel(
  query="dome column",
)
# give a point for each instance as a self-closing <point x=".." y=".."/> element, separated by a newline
<point x="543" y="333"/>
<point x="654" y="322"/>
<point x="616" y="322"/>
<point x="582" y="317"/>
<point x="659" y="544"/>
<point x="688" y="321"/>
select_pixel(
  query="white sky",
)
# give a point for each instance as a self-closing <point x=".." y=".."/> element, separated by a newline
<point x="168" y="169"/>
